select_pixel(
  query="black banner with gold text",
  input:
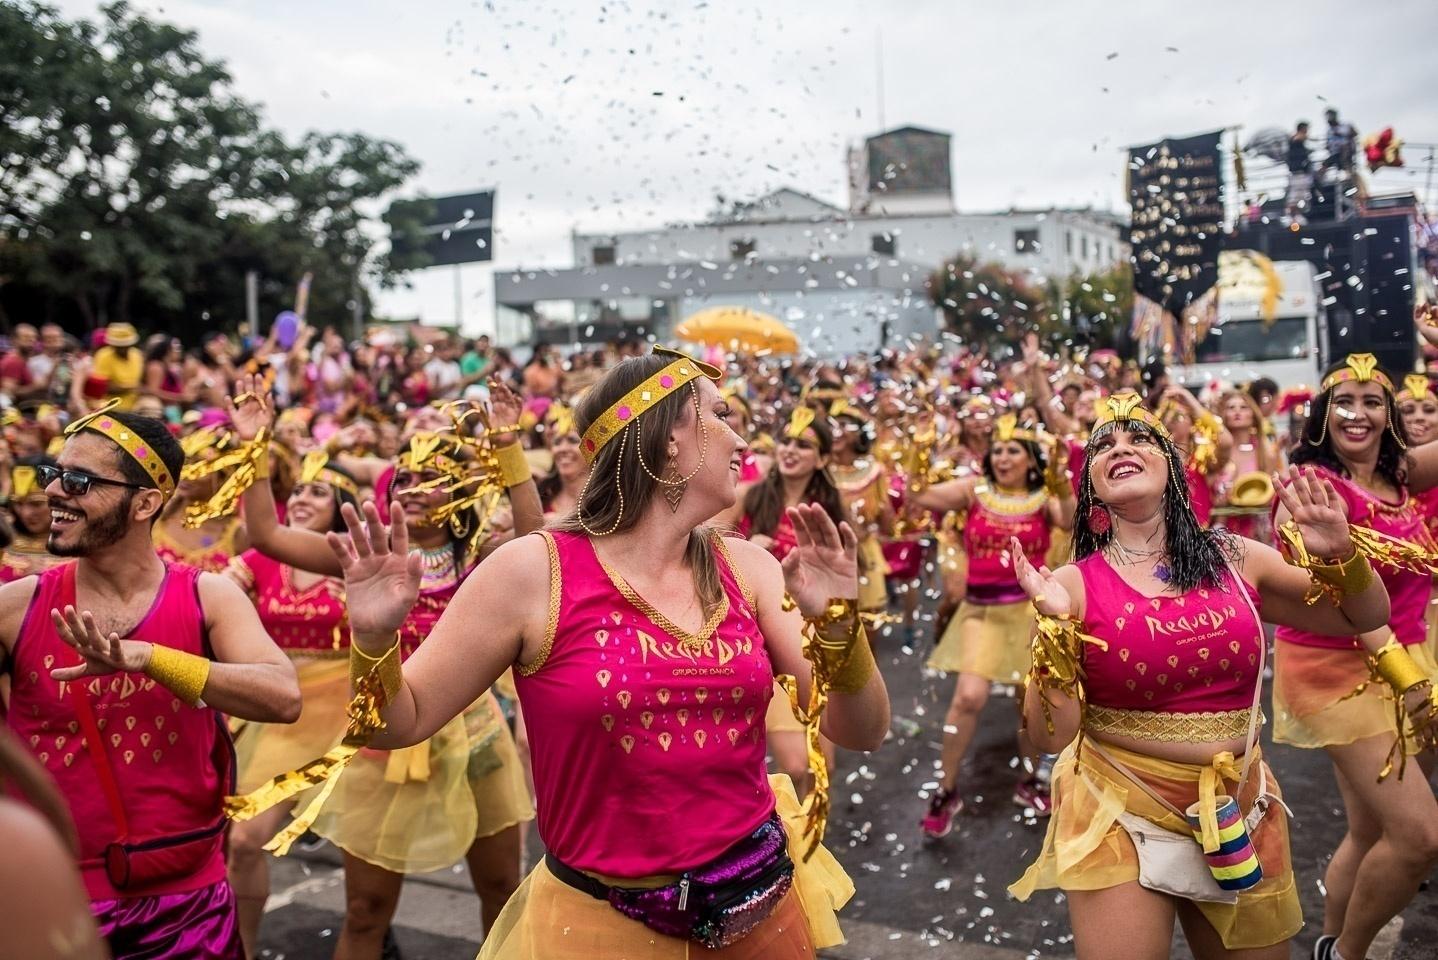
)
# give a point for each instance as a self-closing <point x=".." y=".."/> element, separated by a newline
<point x="1176" y="190"/>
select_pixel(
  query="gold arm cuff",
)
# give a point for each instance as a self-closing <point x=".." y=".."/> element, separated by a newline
<point x="1343" y="579"/>
<point x="184" y="674"/>
<point x="513" y="465"/>
<point x="385" y="668"/>
<point x="854" y="675"/>
<point x="262" y="464"/>
<point x="1397" y="668"/>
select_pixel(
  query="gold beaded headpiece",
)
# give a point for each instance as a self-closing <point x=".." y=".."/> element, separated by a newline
<point x="1127" y="407"/>
<point x="616" y="421"/>
<point x="1357" y="368"/>
<point x="107" y="426"/>
<point x="23" y="483"/>
<point x="316" y="469"/>
<point x="1416" y="386"/>
<point x="634" y="404"/>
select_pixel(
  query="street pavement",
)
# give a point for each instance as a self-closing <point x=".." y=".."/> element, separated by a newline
<point x="914" y="899"/>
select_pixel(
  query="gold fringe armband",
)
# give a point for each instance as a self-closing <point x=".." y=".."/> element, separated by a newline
<point x="1350" y="577"/>
<point x="1394" y="668"/>
<point x="377" y="681"/>
<point x="837" y="648"/>
<point x="1058" y="661"/>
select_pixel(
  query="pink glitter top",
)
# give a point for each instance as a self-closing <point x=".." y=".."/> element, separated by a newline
<point x="1407" y="591"/>
<point x="648" y="750"/>
<point x="301" y="622"/>
<point x="782" y="539"/>
<point x="1187" y="654"/>
<point x="990" y="524"/>
<point x="173" y="762"/>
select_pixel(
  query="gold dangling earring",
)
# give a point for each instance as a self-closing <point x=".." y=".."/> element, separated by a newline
<point x="673" y="484"/>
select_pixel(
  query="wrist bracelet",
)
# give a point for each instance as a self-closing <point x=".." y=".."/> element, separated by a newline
<point x="1397" y="668"/>
<point x="385" y="668"/>
<point x="183" y="674"/>
<point x="513" y="465"/>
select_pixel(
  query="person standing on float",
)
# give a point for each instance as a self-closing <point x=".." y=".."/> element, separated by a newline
<point x="124" y="668"/>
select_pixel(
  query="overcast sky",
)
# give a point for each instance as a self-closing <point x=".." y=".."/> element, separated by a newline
<point x="622" y="115"/>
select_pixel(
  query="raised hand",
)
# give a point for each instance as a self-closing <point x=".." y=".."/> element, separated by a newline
<point x="824" y="563"/>
<point x="1050" y="597"/>
<point x="103" y="655"/>
<point x="381" y="576"/>
<point x="505" y="409"/>
<point x="1318" y="510"/>
<point x="250" y="409"/>
<point x="1425" y="318"/>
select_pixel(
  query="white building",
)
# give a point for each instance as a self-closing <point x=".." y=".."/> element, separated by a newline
<point x="845" y="279"/>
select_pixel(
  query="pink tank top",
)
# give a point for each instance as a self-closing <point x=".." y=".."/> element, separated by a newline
<point x="306" y="622"/>
<point x="1408" y="592"/>
<point x="1187" y="654"/>
<point x="782" y="538"/>
<point x="1199" y="495"/>
<point x="1427" y="503"/>
<point x="173" y="762"/>
<point x="648" y="759"/>
<point x="991" y="522"/>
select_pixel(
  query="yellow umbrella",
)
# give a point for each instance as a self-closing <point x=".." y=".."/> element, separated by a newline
<point x="738" y="328"/>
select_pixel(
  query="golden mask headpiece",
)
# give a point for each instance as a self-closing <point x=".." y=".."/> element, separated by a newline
<point x="428" y="450"/>
<point x="1127" y="407"/>
<point x="1416" y="386"/>
<point x="1357" y="368"/>
<point x="103" y="423"/>
<point x="639" y="401"/>
<point x="316" y="469"/>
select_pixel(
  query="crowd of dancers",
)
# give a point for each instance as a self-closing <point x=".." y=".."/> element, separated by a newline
<point x="612" y="597"/>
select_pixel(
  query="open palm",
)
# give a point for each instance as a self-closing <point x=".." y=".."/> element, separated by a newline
<point x="1050" y="597"/>
<point x="250" y="408"/>
<point x="381" y="576"/>
<point x="824" y="563"/>
<point x="1318" y="511"/>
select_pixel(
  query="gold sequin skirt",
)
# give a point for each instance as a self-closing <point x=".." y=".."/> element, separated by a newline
<point x="420" y="808"/>
<point x="265" y="750"/>
<point x="1311" y="706"/>
<point x="547" y="919"/>
<point x="989" y="640"/>
<point x="1086" y="848"/>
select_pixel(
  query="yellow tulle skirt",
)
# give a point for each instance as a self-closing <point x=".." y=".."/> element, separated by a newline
<point x="547" y="919"/>
<point x="780" y="716"/>
<point x="1087" y="849"/>
<point x="1310" y="685"/>
<point x="265" y="750"/>
<point x="873" y="568"/>
<point x="420" y="808"/>
<point x="990" y="640"/>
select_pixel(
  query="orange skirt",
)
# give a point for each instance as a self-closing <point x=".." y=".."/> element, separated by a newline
<point x="1311" y="703"/>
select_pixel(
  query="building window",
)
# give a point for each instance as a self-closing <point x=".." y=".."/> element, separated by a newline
<point x="884" y="244"/>
<point x="1026" y="241"/>
<point x="1083" y="248"/>
<point x="741" y="249"/>
<point x="1069" y="242"/>
<point x="603" y="254"/>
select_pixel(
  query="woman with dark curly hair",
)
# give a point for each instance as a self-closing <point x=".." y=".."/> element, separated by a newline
<point x="1356" y="440"/>
<point x="1020" y="495"/>
<point x="1147" y="670"/>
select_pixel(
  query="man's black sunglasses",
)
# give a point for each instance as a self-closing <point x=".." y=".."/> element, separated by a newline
<point x="76" y="483"/>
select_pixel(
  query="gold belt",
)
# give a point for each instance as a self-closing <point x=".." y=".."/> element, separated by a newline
<point x="1204" y="727"/>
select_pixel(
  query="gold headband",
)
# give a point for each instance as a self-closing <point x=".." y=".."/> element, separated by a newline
<point x="23" y="483"/>
<point x="107" y="426"/>
<point x="1127" y="407"/>
<point x="1416" y="386"/>
<point x="1357" y="368"/>
<point x="800" y="420"/>
<point x="316" y="469"/>
<point x="1007" y="429"/>
<point x="634" y="404"/>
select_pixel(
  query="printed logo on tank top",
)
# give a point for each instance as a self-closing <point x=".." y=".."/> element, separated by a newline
<point x="1198" y="626"/>
<point x="716" y="649"/>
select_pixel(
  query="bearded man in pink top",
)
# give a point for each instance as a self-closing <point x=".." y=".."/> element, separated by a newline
<point x="123" y="668"/>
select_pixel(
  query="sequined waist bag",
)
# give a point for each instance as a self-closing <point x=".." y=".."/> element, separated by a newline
<point x="717" y="904"/>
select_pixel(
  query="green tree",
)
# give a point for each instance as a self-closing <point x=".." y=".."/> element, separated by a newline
<point x="1095" y="308"/>
<point x="985" y="304"/>
<point x="135" y="184"/>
